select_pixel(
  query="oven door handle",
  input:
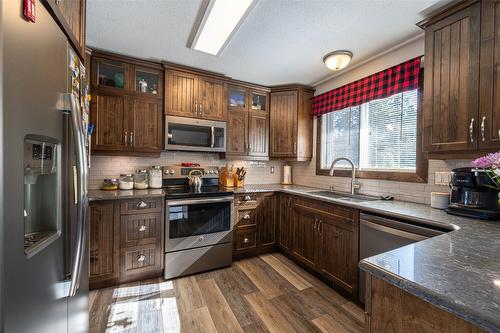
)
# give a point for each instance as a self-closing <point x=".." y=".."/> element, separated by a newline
<point x="182" y="202"/>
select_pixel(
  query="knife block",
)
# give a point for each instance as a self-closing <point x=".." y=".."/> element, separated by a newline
<point x="238" y="183"/>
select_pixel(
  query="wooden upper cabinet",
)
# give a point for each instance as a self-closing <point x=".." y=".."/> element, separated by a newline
<point x="248" y="121"/>
<point x="212" y="99"/>
<point x="489" y="97"/>
<point x="258" y="133"/>
<point x="146" y="127"/>
<point x="127" y="105"/>
<point x="110" y="114"/>
<point x="291" y="123"/>
<point x="195" y="94"/>
<point x="181" y="89"/>
<point x="237" y="126"/>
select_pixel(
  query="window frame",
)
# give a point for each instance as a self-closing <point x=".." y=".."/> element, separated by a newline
<point x="418" y="176"/>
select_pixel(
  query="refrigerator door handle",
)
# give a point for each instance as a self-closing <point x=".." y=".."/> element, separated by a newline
<point x="71" y="104"/>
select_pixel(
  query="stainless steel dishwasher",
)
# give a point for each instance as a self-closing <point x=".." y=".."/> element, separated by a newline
<point x="378" y="234"/>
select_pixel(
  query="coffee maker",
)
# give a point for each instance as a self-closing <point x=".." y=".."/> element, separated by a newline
<point x="472" y="194"/>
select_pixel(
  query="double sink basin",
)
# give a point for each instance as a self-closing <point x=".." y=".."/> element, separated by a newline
<point x="345" y="196"/>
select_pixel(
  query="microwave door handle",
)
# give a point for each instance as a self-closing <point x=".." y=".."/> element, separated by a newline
<point x="71" y="105"/>
<point x="212" y="137"/>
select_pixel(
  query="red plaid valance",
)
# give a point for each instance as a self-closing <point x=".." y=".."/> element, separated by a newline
<point x="402" y="77"/>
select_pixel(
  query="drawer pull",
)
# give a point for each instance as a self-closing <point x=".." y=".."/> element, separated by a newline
<point x="141" y="258"/>
<point x="246" y="240"/>
<point x="142" y="205"/>
<point x="142" y="228"/>
<point x="246" y="217"/>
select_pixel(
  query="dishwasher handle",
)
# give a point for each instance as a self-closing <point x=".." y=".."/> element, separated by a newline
<point x="406" y="229"/>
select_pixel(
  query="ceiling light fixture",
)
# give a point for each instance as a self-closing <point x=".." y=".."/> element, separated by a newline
<point x="337" y="60"/>
<point x="219" y="20"/>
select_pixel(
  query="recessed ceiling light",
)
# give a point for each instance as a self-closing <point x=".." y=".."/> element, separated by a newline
<point x="219" y="22"/>
<point x="337" y="60"/>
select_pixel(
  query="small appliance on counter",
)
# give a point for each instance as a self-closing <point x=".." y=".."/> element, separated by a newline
<point x="199" y="220"/>
<point x="471" y="195"/>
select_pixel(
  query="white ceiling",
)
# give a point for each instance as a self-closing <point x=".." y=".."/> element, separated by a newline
<point x="280" y="41"/>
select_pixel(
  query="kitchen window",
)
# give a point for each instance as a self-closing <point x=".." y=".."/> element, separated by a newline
<point x="379" y="136"/>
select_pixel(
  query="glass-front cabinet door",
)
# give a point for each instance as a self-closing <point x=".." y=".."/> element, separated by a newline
<point x="147" y="82"/>
<point x="111" y="75"/>
<point x="237" y="98"/>
<point x="259" y="101"/>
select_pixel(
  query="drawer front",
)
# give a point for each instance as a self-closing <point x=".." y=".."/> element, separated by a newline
<point x="138" y="261"/>
<point x="142" y="205"/>
<point x="245" y="218"/>
<point x="246" y="200"/>
<point x="140" y="229"/>
<point x="246" y="239"/>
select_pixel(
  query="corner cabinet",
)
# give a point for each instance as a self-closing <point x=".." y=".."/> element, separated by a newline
<point x="195" y="94"/>
<point x="461" y="108"/>
<point x="126" y="106"/>
<point x="291" y="124"/>
<point x="248" y="122"/>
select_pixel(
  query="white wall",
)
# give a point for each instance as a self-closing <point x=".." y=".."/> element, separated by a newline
<point x="304" y="173"/>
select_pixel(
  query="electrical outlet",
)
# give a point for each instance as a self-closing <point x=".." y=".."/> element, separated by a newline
<point x="442" y="178"/>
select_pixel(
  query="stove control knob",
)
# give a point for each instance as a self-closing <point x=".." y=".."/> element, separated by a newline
<point x="216" y="171"/>
<point x="172" y="172"/>
<point x="210" y="171"/>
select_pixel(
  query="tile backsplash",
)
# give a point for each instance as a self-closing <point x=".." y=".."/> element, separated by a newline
<point x="112" y="166"/>
<point x="304" y="173"/>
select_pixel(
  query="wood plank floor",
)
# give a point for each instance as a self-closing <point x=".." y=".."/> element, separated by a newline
<point x="264" y="294"/>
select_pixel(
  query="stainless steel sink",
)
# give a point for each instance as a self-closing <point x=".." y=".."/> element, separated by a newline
<point x="345" y="196"/>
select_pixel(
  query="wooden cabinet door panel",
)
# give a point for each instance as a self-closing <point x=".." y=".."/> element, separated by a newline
<point x="103" y="262"/>
<point x="304" y="235"/>
<point x="181" y="90"/>
<point x="146" y="128"/>
<point x="110" y="114"/>
<point x="338" y="250"/>
<point x="140" y="229"/>
<point x="138" y="262"/>
<point x="212" y="99"/>
<point x="258" y="134"/>
<point x="451" y="82"/>
<point x="285" y="222"/>
<point x="237" y="123"/>
<point x="266" y="222"/>
<point x="489" y="98"/>
<point x="283" y="117"/>
<point x="73" y="12"/>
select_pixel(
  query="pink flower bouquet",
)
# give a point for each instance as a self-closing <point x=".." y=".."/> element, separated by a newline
<point x="490" y="164"/>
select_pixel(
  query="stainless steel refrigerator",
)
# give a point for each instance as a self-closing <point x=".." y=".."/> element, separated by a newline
<point x="44" y="175"/>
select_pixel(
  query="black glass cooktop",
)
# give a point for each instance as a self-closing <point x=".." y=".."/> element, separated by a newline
<point x="183" y="192"/>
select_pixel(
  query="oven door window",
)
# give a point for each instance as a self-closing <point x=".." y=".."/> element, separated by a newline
<point x="189" y="135"/>
<point x="201" y="219"/>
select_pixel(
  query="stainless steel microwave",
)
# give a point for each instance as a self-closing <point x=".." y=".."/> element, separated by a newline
<point x="194" y="134"/>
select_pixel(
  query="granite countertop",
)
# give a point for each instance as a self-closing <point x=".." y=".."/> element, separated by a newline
<point x="96" y="195"/>
<point x="458" y="271"/>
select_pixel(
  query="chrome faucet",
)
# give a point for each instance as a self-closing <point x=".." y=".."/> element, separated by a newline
<point x="354" y="183"/>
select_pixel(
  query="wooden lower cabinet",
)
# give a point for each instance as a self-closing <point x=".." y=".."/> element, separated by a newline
<point x="305" y="236"/>
<point x="126" y="241"/>
<point x="285" y="213"/>
<point x="255" y="229"/>
<point x="391" y="309"/>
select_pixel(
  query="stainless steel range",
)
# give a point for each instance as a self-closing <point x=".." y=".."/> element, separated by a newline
<point x="199" y="221"/>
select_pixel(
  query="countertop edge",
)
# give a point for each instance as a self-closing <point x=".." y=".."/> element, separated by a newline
<point x="436" y="299"/>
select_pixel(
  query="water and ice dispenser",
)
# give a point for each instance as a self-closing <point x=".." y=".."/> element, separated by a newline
<point x="42" y="192"/>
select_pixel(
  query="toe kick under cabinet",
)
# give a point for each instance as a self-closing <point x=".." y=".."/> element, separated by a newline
<point x="125" y="240"/>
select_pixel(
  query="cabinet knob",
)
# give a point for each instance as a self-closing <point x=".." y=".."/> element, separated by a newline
<point x="247" y="217"/>
<point x="246" y="240"/>
<point x="141" y="258"/>
<point x="142" y="228"/>
<point x="142" y="205"/>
